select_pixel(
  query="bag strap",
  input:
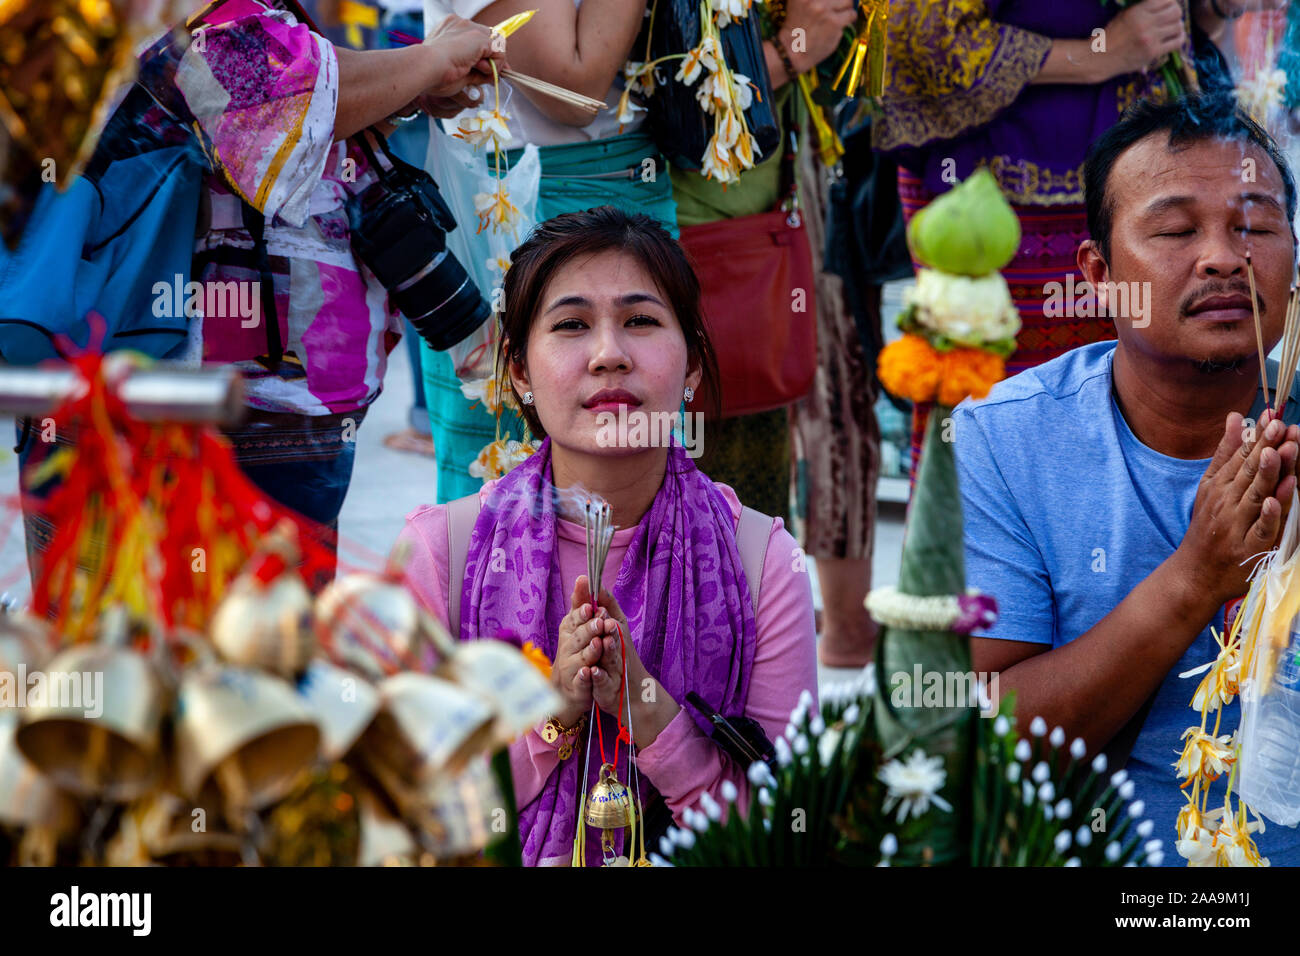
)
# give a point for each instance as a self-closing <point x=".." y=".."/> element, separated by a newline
<point x="255" y="223"/>
<point x="787" y="197"/>
<point x="461" y="515"/>
<point x="753" y="532"/>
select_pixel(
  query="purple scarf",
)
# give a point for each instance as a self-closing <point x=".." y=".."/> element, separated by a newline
<point x="681" y="585"/>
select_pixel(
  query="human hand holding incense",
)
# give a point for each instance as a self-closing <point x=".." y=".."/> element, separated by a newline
<point x="1241" y="505"/>
<point x="577" y="651"/>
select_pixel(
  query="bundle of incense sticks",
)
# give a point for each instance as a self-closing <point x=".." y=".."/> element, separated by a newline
<point x="585" y="103"/>
<point x="1290" y="341"/>
<point x="597" y="517"/>
<point x="1290" y="346"/>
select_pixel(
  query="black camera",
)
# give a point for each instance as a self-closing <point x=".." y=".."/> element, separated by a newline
<point x="399" y="230"/>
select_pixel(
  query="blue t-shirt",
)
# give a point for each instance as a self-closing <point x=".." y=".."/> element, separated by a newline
<point x="1066" y="511"/>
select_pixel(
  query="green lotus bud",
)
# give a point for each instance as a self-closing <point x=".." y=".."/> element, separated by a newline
<point x="971" y="230"/>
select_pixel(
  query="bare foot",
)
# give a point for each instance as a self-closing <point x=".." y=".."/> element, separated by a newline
<point x="409" y="440"/>
<point x="840" y="649"/>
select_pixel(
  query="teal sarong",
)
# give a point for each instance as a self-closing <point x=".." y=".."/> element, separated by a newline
<point x="571" y="181"/>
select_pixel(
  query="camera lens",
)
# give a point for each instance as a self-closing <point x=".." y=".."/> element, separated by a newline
<point x="442" y="302"/>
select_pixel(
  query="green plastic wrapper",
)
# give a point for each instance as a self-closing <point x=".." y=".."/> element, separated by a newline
<point x="932" y="564"/>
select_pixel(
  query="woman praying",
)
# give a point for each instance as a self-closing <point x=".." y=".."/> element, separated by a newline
<point x="602" y="322"/>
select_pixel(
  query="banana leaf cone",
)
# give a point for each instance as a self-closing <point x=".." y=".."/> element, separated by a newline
<point x="908" y="718"/>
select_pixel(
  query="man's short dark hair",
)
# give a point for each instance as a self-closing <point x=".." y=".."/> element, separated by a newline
<point x="1189" y="119"/>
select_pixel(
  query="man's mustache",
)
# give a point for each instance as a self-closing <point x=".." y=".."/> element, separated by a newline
<point x="1236" y="287"/>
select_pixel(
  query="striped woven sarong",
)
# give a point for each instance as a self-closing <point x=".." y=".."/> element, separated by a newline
<point x="1050" y="237"/>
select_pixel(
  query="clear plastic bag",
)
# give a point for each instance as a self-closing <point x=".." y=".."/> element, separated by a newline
<point x="462" y="172"/>
<point x="1269" y="765"/>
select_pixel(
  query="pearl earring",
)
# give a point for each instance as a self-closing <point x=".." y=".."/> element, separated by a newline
<point x="689" y="394"/>
<point x="528" y="398"/>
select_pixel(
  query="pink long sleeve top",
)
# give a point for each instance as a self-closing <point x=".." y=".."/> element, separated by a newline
<point x="682" y="762"/>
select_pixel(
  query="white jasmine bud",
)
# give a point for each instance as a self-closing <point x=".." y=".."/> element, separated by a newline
<point x="711" y="808"/>
<point x="1022" y="749"/>
<point x="1078" y="749"/>
<point x="1041" y="772"/>
<point x="1099" y="763"/>
<point x="888" y="845"/>
<point x="1057" y="737"/>
<point x="1001" y="726"/>
<point x="1062" y="841"/>
<point x="1038" y="726"/>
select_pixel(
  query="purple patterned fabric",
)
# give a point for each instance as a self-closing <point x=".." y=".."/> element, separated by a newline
<point x="681" y="585"/>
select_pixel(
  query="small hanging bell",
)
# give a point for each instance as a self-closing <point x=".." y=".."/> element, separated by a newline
<point x="609" y="805"/>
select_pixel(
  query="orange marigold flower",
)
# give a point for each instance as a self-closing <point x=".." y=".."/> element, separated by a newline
<point x="910" y="368"/>
<point x="537" y="657"/>
<point x="969" y="372"/>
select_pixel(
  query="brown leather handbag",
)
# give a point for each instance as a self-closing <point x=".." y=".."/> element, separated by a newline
<point x="756" y="274"/>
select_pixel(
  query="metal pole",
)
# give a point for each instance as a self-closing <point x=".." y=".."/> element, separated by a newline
<point x="158" y="393"/>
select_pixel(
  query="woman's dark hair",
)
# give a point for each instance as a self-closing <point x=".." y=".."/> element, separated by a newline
<point x="557" y="241"/>
<point x="1190" y="119"/>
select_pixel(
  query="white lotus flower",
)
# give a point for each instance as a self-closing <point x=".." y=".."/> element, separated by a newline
<point x="969" y="311"/>
<point x="913" y="785"/>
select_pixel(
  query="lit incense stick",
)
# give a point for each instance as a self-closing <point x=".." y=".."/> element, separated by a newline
<point x="1259" y="332"/>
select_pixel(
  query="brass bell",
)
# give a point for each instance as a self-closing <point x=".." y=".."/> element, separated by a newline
<point x="385" y="840"/>
<point x="372" y="624"/>
<point x="165" y="829"/>
<point x="247" y="729"/>
<point x="25" y="643"/>
<point x="105" y="747"/>
<point x="427" y="727"/>
<point x="461" y="810"/>
<point x="521" y="696"/>
<point x="343" y="703"/>
<point x="265" y="619"/>
<point x="27" y="799"/>
<point x="609" y="805"/>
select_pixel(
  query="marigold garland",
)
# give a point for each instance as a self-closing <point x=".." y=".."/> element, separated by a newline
<point x="912" y="368"/>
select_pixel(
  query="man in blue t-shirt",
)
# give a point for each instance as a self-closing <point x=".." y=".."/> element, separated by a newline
<point x="1115" y="498"/>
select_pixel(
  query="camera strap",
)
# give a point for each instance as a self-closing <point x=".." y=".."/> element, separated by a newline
<point x="255" y="223"/>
